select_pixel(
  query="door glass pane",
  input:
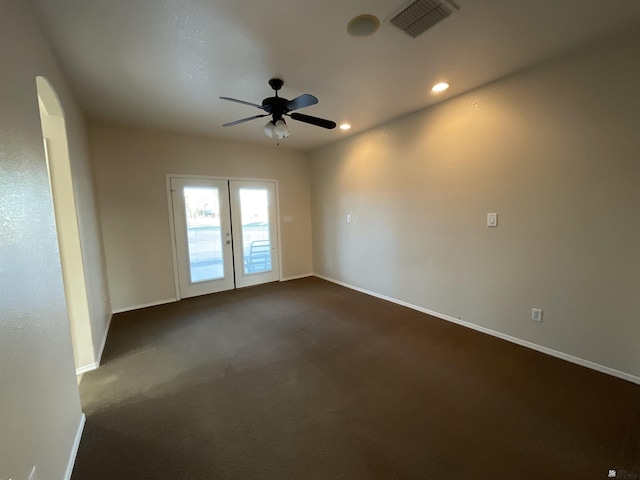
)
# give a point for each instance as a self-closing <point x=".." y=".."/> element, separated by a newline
<point x="256" y="245"/>
<point x="203" y="232"/>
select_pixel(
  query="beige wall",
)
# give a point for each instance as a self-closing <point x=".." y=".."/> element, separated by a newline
<point x="90" y="228"/>
<point x="131" y="166"/>
<point x="552" y="150"/>
<point x="39" y="403"/>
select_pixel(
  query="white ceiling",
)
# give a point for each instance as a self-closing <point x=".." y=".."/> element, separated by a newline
<point x="164" y="63"/>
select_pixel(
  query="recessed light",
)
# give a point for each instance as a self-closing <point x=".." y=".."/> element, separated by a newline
<point x="363" y="25"/>
<point x="440" y="87"/>
<point x="345" y="126"/>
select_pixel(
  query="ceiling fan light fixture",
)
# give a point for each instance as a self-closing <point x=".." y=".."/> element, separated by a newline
<point x="268" y="129"/>
<point x="281" y="129"/>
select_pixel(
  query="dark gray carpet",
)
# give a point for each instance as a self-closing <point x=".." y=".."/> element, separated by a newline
<point x="310" y="380"/>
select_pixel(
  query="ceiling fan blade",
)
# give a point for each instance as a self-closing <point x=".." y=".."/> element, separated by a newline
<point x="320" y="122"/>
<point x="231" y="124"/>
<point x="302" y="101"/>
<point x="243" y="102"/>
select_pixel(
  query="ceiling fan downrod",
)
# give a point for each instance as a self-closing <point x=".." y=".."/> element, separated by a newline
<point x="276" y="84"/>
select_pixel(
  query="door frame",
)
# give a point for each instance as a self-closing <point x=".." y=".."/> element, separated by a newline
<point x="172" y="231"/>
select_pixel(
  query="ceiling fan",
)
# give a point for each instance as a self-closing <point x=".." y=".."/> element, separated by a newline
<point x="278" y="107"/>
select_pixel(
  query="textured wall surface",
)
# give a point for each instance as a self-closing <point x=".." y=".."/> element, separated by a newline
<point x="554" y="151"/>
<point x="39" y="402"/>
<point x="131" y="167"/>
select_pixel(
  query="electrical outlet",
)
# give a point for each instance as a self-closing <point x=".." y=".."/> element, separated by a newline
<point x="329" y="263"/>
<point x="536" y="314"/>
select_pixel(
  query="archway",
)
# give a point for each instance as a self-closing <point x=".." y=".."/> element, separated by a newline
<point x="54" y="133"/>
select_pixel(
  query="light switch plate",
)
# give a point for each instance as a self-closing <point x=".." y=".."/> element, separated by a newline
<point x="349" y="218"/>
<point x="492" y="219"/>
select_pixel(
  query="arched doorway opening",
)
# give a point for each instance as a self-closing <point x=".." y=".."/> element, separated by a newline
<point x="54" y="133"/>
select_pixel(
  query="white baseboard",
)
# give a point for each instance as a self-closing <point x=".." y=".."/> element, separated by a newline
<point x="87" y="368"/>
<point x="138" y="307"/>
<point x="74" y="449"/>
<point x="554" y="353"/>
<point x="96" y="364"/>
<point x="286" y="279"/>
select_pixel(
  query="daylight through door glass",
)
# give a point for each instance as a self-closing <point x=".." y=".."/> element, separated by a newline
<point x="202" y="209"/>
<point x="256" y="244"/>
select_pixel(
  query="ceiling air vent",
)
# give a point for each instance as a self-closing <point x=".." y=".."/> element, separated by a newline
<point x="421" y="15"/>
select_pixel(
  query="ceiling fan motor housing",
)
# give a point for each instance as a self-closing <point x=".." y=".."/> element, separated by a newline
<point x="276" y="106"/>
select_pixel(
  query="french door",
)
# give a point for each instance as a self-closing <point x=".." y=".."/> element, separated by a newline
<point x="225" y="234"/>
